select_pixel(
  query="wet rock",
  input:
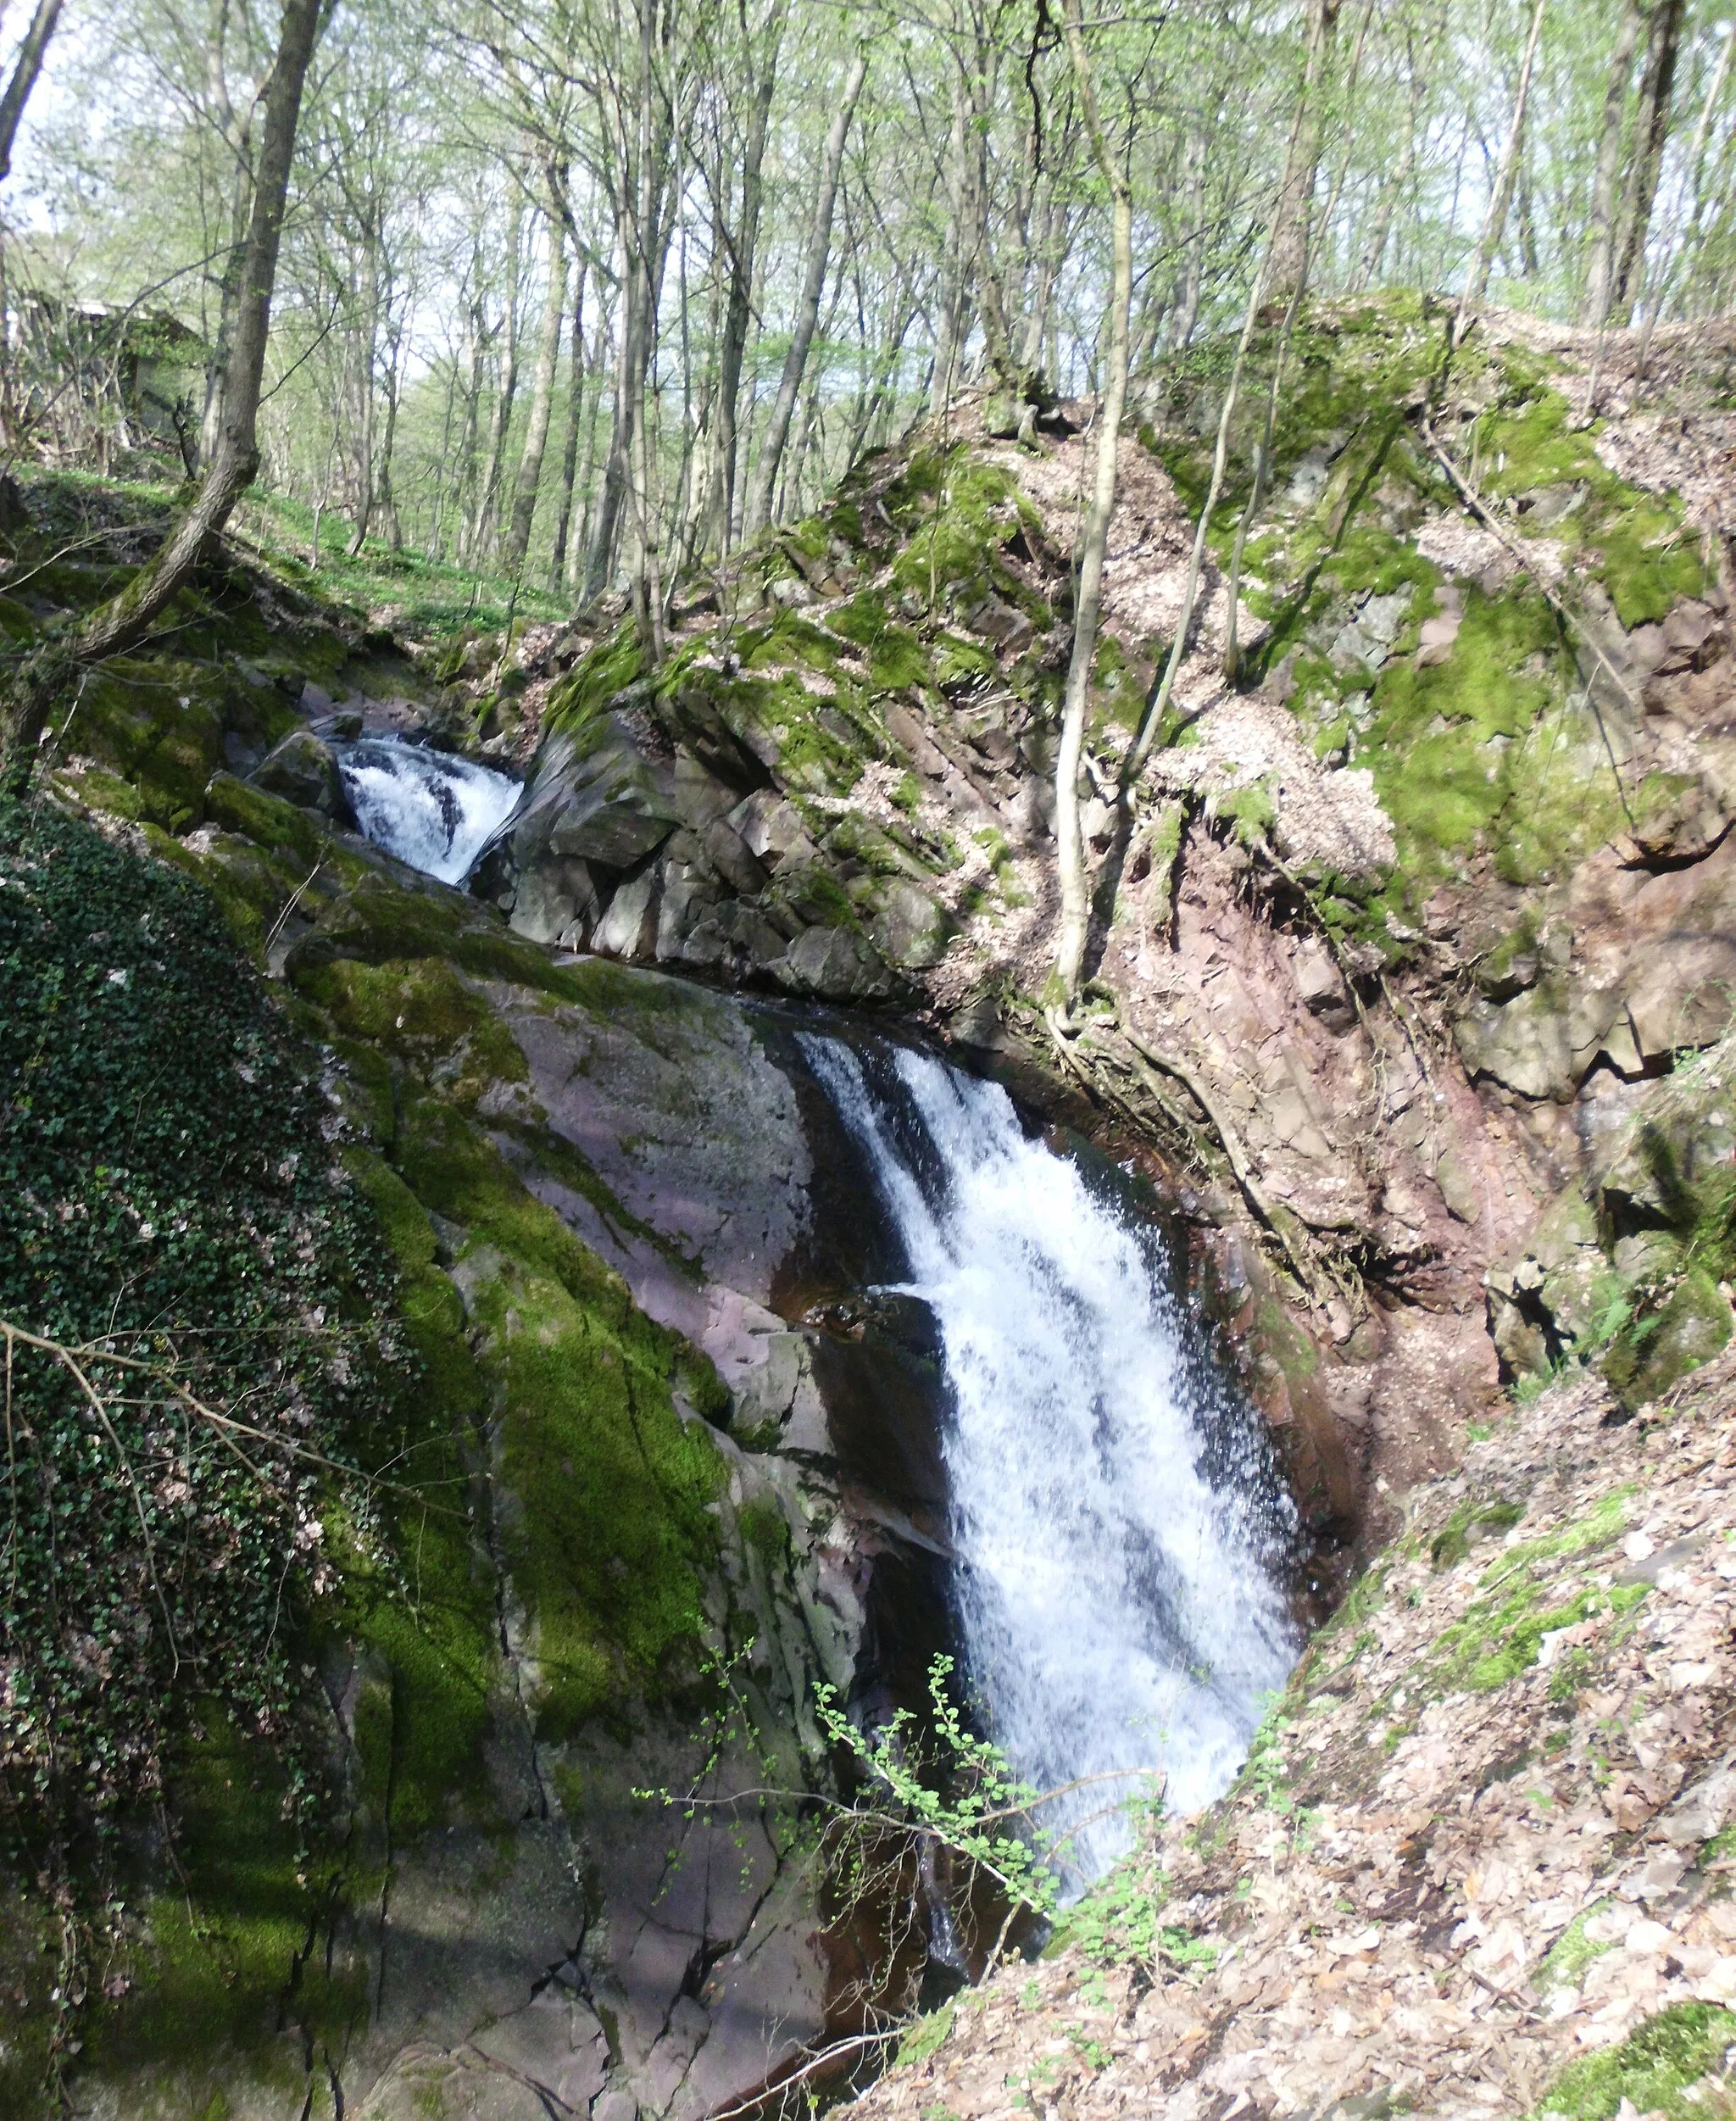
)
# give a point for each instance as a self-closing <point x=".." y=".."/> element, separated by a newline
<point x="304" y="770"/>
<point x="835" y="964"/>
<point x="629" y="928"/>
<point x="733" y="860"/>
<point x="556" y="903"/>
<point x="772" y="829"/>
<point x="910" y="929"/>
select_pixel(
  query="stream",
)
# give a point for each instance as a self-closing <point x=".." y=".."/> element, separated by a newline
<point x="1121" y="1530"/>
<point x="1119" y="1537"/>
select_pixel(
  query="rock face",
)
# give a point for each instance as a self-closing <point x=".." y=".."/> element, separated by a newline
<point x="1391" y="947"/>
<point x="596" y="1180"/>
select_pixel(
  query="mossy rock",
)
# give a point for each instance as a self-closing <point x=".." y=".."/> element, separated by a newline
<point x="1653" y="1352"/>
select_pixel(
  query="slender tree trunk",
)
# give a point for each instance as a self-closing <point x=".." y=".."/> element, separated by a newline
<point x="1501" y="198"/>
<point x="369" y="354"/>
<point x="500" y="417"/>
<point x="1158" y="706"/>
<point x="1374" y="250"/>
<point x="1193" y="273"/>
<point x="24" y="69"/>
<point x="530" y="478"/>
<point x="738" y="312"/>
<point x="1601" y="268"/>
<point x="1093" y="544"/>
<point x="1295" y="212"/>
<point x="808" y="310"/>
<point x="125" y="619"/>
<point x="570" y="453"/>
<point x="1651" y="127"/>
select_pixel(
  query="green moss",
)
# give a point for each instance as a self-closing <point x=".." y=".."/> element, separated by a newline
<point x="897" y="657"/>
<point x="607" y="1533"/>
<point x="593" y="681"/>
<point x="1599" y="1527"/>
<point x="220" y="1950"/>
<point x="1656" y="1350"/>
<point x="1470" y="1521"/>
<point x="1572" y="1953"/>
<point x="421" y="1009"/>
<point x="266" y="819"/>
<point x="1654" y="2068"/>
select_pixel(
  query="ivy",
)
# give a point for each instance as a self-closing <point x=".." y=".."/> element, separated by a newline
<point x="202" y="1293"/>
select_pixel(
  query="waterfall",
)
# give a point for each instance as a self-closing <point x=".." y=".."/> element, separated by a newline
<point x="431" y="809"/>
<point x="1120" y="1527"/>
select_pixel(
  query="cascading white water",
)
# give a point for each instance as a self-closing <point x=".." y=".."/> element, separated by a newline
<point x="434" y="810"/>
<point x="1120" y="1527"/>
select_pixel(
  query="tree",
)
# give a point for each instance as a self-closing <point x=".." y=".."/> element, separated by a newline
<point x="234" y="464"/>
<point x="1295" y="209"/>
<point x="771" y="447"/>
<point x="24" y="69"/>
<point x="1094" y="543"/>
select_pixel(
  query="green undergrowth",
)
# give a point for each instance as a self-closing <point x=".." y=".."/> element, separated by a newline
<point x="1655" y="2069"/>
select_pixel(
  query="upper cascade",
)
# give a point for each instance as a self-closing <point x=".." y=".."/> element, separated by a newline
<point x="432" y="809"/>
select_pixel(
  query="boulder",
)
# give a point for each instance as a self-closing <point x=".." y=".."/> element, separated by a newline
<point x="556" y="903"/>
<point x="836" y="965"/>
<point x="910" y="929"/>
<point x="629" y="928"/>
<point x="304" y="770"/>
<point x="1691" y="1328"/>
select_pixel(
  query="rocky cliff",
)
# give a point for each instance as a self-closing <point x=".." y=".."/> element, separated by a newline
<point x="1390" y="946"/>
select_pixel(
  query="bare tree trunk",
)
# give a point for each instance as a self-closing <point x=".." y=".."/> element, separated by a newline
<point x="1192" y="275"/>
<point x="25" y="70"/>
<point x="1374" y="250"/>
<point x="738" y="312"/>
<point x="808" y="308"/>
<point x="1495" y="219"/>
<point x="1093" y="544"/>
<point x="530" y="478"/>
<point x="570" y="453"/>
<point x="1295" y="212"/>
<point x="1601" y="269"/>
<point x="1158" y="706"/>
<point x="1651" y="127"/>
<point x="500" y="417"/>
<point x="125" y="619"/>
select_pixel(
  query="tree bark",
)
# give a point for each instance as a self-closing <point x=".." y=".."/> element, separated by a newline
<point x="570" y="453"/>
<point x="530" y="478"/>
<point x="1651" y="128"/>
<point x="500" y="414"/>
<point x="1295" y="211"/>
<point x="738" y="311"/>
<point x="1601" y="268"/>
<point x="125" y="619"/>
<point x="1495" y="219"/>
<point x="1093" y="544"/>
<point x="25" y="69"/>
<point x="1193" y="273"/>
<point x="808" y="308"/>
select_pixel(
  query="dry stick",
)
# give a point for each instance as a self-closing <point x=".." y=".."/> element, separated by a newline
<point x="1479" y="507"/>
<point x="225" y="1425"/>
<point x="760" y="2100"/>
<point x="1159" y="704"/>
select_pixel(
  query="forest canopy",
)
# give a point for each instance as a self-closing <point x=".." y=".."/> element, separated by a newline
<point x="578" y="291"/>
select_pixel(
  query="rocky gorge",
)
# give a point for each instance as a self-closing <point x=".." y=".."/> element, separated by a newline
<point x="1403" y="955"/>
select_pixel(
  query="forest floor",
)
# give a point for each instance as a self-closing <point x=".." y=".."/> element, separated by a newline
<point x="1478" y="1861"/>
